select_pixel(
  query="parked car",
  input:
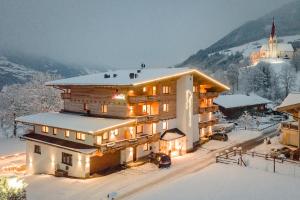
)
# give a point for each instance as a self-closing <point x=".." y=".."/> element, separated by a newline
<point x="285" y="151"/>
<point x="160" y="159"/>
<point x="219" y="136"/>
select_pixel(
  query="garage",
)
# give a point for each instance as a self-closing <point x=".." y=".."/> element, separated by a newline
<point x="105" y="163"/>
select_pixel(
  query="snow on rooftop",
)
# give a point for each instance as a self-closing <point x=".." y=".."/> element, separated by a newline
<point x="73" y="121"/>
<point x="240" y="100"/>
<point x="280" y="47"/>
<point x="122" y="77"/>
<point x="291" y="99"/>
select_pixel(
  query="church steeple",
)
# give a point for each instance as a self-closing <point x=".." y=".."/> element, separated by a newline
<point x="273" y="31"/>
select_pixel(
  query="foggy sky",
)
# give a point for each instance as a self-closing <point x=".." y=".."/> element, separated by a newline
<point x="122" y="33"/>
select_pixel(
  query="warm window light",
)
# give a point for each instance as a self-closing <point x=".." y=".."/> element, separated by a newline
<point x="131" y="109"/>
<point x="104" y="108"/>
<point x="105" y="135"/>
<point x="67" y="133"/>
<point x="166" y="89"/>
<point x="139" y="129"/>
<point x="99" y="139"/>
<point x="85" y="106"/>
<point x="165" y="125"/>
<point x="45" y="129"/>
<point x="54" y="131"/>
<point x="80" y="136"/>
<point x="166" y="107"/>
<point x="144" y="108"/>
<point x="144" y="89"/>
<point x="154" y="90"/>
<point x="153" y="128"/>
<point x="146" y="147"/>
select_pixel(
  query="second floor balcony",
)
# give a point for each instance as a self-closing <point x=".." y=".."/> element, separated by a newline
<point x="212" y="108"/>
<point x="208" y="95"/>
<point x="290" y="125"/>
<point x="210" y="122"/>
<point x="142" y="98"/>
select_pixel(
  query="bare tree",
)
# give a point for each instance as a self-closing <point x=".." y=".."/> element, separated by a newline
<point x="287" y="78"/>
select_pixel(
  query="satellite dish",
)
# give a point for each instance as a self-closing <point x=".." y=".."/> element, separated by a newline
<point x="143" y="65"/>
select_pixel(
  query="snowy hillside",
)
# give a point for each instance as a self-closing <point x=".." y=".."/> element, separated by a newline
<point x="248" y="48"/>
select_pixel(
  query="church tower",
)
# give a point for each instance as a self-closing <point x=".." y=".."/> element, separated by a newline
<point x="273" y="42"/>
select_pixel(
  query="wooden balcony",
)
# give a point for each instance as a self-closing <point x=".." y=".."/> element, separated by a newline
<point x="211" y="122"/>
<point x="65" y="95"/>
<point x="288" y="125"/>
<point x="147" y="118"/>
<point x="208" y="95"/>
<point x="123" y="144"/>
<point x="142" y="98"/>
<point x="212" y="108"/>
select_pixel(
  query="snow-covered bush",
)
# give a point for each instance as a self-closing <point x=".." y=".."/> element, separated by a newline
<point x="12" y="189"/>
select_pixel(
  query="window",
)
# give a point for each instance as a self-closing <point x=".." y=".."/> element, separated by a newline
<point x="195" y="89"/>
<point x="153" y="128"/>
<point x="66" y="159"/>
<point x="67" y="133"/>
<point x="105" y="135"/>
<point x="37" y="149"/>
<point x="166" y="89"/>
<point x="146" y="147"/>
<point x="139" y="129"/>
<point x="144" y="108"/>
<point x="80" y="136"/>
<point x="154" y="90"/>
<point x="54" y="131"/>
<point x="144" y="89"/>
<point x="85" y="106"/>
<point x="166" y="107"/>
<point x="104" y="108"/>
<point x="45" y="129"/>
<point x="68" y="91"/>
<point x="165" y="125"/>
<point x="99" y="139"/>
<point x="115" y="132"/>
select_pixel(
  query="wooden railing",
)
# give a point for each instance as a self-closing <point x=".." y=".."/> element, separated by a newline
<point x="212" y="108"/>
<point x="142" y="98"/>
<point x="122" y="144"/>
<point x="207" y="123"/>
<point x="147" y="118"/>
<point x="208" y="95"/>
<point x="66" y="95"/>
<point x="288" y="125"/>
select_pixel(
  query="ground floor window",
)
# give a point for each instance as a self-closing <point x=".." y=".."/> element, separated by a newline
<point x="146" y="147"/>
<point x="37" y="149"/>
<point x="66" y="159"/>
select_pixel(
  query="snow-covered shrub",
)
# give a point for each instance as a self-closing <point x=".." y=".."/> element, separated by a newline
<point x="12" y="189"/>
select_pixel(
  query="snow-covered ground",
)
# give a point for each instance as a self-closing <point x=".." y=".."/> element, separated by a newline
<point x="130" y="179"/>
<point x="9" y="146"/>
<point x="222" y="182"/>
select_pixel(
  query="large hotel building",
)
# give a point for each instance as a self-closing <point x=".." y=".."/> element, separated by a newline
<point x="113" y="118"/>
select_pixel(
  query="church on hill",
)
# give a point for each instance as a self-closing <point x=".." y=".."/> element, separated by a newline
<point x="273" y="49"/>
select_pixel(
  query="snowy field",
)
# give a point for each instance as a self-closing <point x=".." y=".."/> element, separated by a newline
<point x="9" y="146"/>
<point x="130" y="179"/>
<point x="226" y="182"/>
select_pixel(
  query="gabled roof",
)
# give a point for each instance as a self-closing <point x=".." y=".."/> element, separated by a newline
<point x="122" y="78"/>
<point x="292" y="100"/>
<point x="172" y="134"/>
<point x="240" y="100"/>
<point x="74" y="122"/>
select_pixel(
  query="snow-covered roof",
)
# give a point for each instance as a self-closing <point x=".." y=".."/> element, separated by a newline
<point x="172" y="134"/>
<point x="122" y="78"/>
<point x="240" y="100"/>
<point x="290" y="100"/>
<point x="280" y="47"/>
<point x="74" y="122"/>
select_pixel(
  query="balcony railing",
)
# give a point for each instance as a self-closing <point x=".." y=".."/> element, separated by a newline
<point x="147" y="118"/>
<point x="142" y="98"/>
<point x="123" y="144"/>
<point x="212" y="108"/>
<point x="289" y="125"/>
<point x="66" y="95"/>
<point x="210" y="122"/>
<point x="208" y="95"/>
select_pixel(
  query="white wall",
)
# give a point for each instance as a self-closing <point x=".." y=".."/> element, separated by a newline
<point x="50" y="156"/>
<point x="184" y="108"/>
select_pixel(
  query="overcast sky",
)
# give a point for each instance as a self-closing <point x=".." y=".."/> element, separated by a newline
<point x="122" y="33"/>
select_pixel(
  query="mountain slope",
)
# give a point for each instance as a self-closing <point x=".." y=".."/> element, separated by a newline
<point x="287" y="23"/>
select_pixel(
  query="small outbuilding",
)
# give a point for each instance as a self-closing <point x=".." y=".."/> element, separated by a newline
<point x="233" y="106"/>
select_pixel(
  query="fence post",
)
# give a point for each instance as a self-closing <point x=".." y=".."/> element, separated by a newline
<point x="226" y="153"/>
<point x="234" y="151"/>
<point x="217" y="155"/>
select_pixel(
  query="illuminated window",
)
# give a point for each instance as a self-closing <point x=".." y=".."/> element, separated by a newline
<point x="54" y="131"/>
<point x="166" y="107"/>
<point x="165" y="125"/>
<point x="139" y="129"/>
<point x="85" y="106"/>
<point x="45" y="129"/>
<point x="131" y="109"/>
<point x="104" y="108"/>
<point x="67" y="133"/>
<point x="146" y="147"/>
<point x="154" y="90"/>
<point x="166" y="89"/>
<point x="37" y="149"/>
<point x="80" y="136"/>
<point x="153" y="128"/>
<point x="99" y="139"/>
<point x="144" y="89"/>
<point x="66" y="159"/>
<point x="115" y="132"/>
<point x="68" y="91"/>
<point x="144" y="108"/>
<point x="195" y="89"/>
<point x="105" y="135"/>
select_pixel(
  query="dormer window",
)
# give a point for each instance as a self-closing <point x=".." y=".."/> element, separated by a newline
<point x="45" y="129"/>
